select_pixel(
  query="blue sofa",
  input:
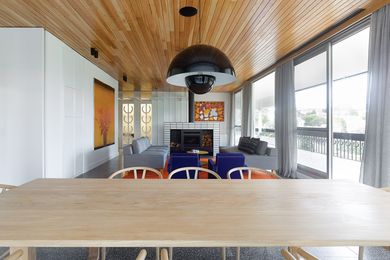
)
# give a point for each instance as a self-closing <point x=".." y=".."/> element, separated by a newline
<point x="142" y="153"/>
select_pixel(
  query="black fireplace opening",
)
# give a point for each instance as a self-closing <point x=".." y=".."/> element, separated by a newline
<point x="184" y="140"/>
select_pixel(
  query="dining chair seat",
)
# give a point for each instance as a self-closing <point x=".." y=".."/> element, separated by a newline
<point x="6" y="187"/>
<point x="297" y="253"/>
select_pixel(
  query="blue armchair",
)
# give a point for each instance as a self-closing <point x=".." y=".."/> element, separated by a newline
<point x="180" y="160"/>
<point x="225" y="162"/>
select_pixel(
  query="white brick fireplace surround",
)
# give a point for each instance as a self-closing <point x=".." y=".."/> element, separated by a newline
<point x="198" y="125"/>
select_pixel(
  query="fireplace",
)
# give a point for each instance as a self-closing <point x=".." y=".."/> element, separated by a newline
<point x="183" y="140"/>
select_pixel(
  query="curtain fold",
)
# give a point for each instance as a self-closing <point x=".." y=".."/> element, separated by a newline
<point x="375" y="168"/>
<point x="247" y="122"/>
<point x="285" y="120"/>
<point x="232" y="120"/>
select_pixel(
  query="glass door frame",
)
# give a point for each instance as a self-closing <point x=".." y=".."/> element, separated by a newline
<point x="322" y="48"/>
<point x="327" y="47"/>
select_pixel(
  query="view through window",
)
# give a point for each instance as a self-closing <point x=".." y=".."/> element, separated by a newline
<point x="349" y="71"/>
<point x="237" y="116"/>
<point x="263" y="100"/>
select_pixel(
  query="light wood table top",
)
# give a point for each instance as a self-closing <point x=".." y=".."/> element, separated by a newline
<point x="149" y="213"/>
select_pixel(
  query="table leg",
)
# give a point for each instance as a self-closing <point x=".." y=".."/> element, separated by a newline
<point x="223" y="255"/>
<point x="157" y="253"/>
<point x="237" y="253"/>
<point x="93" y="253"/>
<point x="170" y="253"/>
<point x="29" y="253"/>
<point x="361" y="252"/>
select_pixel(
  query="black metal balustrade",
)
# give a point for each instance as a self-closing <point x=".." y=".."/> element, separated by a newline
<point x="345" y="145"/>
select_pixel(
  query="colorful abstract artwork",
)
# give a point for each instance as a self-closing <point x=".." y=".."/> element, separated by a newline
<point x="104" y="108"/>
<point x="209" y="111"/>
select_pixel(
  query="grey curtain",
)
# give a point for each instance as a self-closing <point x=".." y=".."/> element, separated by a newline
<point x="247" y="122"/>
<point x="232" y="112"/>
<point x="285" y="120"/>
<point x="375" y="169"/>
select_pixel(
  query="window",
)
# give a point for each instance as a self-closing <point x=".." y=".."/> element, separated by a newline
<point x="311" y="105"/>
<point x="263" y="100"/>
<point x="146" y="120"/>
<point x="237" y="116"/>
<point x="350" y="75"/>
<point x="127" y="123"/>
<point x="331" y="86"/>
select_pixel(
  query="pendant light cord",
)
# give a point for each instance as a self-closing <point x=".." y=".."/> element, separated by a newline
<point x="199" y="25"/>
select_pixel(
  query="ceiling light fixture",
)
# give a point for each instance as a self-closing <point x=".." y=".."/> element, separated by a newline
<point x="200" y="67"/>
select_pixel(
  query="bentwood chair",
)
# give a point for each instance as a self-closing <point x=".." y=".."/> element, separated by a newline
<point x="297" y="253"/>
<point x="225" y="162"/>
<point x="192" y="172"/>
<point x="5" y="187"/>
<point x="18" y="253"/>
<point x="239" y="173"/>
<point x="361" y="248"/>
<point x="14" y="256"/>
<point x="135" y="170"/>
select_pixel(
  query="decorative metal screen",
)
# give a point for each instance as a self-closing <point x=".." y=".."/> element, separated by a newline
<point x="146" y="120"/>
<point x="128" y="123"/>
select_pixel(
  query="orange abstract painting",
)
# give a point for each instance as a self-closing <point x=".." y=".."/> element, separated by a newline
<point x="209" y="111"/>
<point x="104" y="107"/>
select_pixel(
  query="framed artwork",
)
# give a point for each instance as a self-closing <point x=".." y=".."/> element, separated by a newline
<point x="104" y="114"/>
<point x="209" y="111"/>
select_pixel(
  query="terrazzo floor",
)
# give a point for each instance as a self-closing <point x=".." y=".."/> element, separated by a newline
<point x="326" y="253"/>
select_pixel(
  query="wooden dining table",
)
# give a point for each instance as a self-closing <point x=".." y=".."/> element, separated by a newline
<point x="193" y="213"/>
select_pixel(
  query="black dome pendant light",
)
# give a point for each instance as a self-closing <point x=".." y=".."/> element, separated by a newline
<point x="200" y="67"/>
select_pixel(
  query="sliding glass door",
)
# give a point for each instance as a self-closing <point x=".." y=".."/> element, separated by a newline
<point x="331" y="86"/>
<point x="311" y="103"/>
<point x="350" y="72"/>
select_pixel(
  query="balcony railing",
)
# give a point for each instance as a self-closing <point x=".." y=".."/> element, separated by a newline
<point x="345" y="145"/>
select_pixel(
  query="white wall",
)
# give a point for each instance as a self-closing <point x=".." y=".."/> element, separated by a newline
<point x="167" y="107"/>
<point x="173" y="107"/>
<point x="224" y="126"/>
<point x="21" y="104"/>
<point x="69" y="112"/>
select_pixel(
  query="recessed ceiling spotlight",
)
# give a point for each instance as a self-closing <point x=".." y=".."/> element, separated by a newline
<point x="95" y="52"/>
<point x="188" y="11"/>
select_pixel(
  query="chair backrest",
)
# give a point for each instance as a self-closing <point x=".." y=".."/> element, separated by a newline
<point x="16" y="255"/>
<point x="135" y="170"/>
<point x="386" y="189"/>
<point x="196" y="171"/>
<point x="180" y="161"/>
<point x="225" y="163"/>
<point x="5" y="187"/>
<point x="239" y="173"/>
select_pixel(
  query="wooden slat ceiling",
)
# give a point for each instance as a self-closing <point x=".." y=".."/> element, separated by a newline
<point x="141" y="37"/>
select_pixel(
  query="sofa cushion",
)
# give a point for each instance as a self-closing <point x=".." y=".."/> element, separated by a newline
<point x="248" y="144"/>
<point x="140" y="145"/>
<point x="127" y="149"/>
<point x="261" y="149"/>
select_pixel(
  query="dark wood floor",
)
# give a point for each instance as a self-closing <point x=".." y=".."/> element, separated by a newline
<point x="105" y="170"/>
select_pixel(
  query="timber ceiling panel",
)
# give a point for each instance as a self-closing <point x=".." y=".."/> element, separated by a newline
<point x="141" y="37"/>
